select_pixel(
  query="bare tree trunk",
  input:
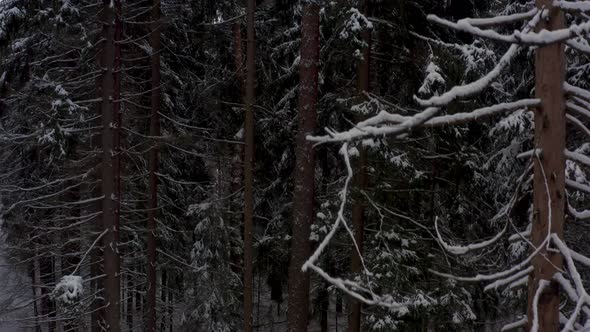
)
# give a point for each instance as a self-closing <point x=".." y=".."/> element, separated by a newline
<point x="163" y="294"/>
<point x="248" y="168"/>
<point x="47" y="305"/>
<point x="117" y="122"/>
<point x="549" y="168"/>
<point x="304" y="175"/>
<point x="111" y="255"/>
<point x="361" y="179"/>
<point x="153" y="168"/>
<point x="36" y="281"/>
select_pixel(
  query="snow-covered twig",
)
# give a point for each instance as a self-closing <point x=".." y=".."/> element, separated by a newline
<point x="494" y="276"/>
<point x="396" y="124"/>
<point x="577" y="186"/>
<point x="346" y="285"/>
<point x="580" y="6"/>
<point x="514" y="325"/>
<point x="89" y="249"/>
<point x="462" y="250"/>
<point x="577" y="157"/>
<point x="577" y="109"/>
<point x="543" y="37"/>
<point x="501" y="19"/>
<point x="578" y="124"/>
<point x="470" y="89"/>
<point x="580" y="215"/>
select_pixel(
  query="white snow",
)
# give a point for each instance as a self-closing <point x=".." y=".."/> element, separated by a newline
<point x="68" y="290"/>
<point x="433" y="77"/>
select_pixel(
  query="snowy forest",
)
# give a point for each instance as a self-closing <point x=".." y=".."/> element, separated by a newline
<point x="294" y="165"/>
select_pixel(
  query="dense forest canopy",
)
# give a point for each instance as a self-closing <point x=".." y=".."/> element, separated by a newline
<point x="312" y="165"/>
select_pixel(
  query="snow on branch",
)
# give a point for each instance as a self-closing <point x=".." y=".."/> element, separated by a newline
<point x="583" y="297"/>
<point x="462" y="250"/>
<point x="498" y="275"/>
<point x="502" y="282"/>
<point x="514" y="325"/>
<point x="360" y="131"/>
<point x="578" y="6"/>
<point x="470" y="89"/>
<point x="351" y="288"/>
<point x="578" y="46"/>
<point x="577" y="109"/>
<point x="68" y="290"/>
<point x="577" y="186"/>
<point x="577" y="157"/>
<point x="395" y="125"/>
<point x="543" y="37"/>
<point x="502" y="19"/>
<point x="579" y="124"/>
<point x="461" y="118"/>
<point x="580" y="215"/>
<point x="400" y="124"/>
<point x="475" y="87"/>
<point x="576" y="91"/>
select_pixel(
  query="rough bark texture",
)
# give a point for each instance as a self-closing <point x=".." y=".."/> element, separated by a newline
<point x="360" y="180"/>
<point x="303" y="195"/>
<point x="549" y="172"/>
<point x="248" y="168"/>
<point x="153" y="169"/>
<point x="111" y="255"/>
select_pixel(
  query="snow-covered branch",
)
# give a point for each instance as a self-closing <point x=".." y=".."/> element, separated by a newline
<point x="579" y="6"/>
<point x="526" y="37"/>
<point x="462" y="250"/>
<point x="400" y="124"/>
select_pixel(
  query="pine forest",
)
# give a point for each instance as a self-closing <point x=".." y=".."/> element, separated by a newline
<point x="294" y="165"/>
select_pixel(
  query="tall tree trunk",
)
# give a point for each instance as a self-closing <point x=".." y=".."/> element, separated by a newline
<point x="548" y="214"/>
<point x="361" y="179"/>
<point x="153" y="168"/>
<point x="163" y="294"/>
<point x="248" y="168"/>
<point x="47" y="305"/>
<point x="117" y="121"/>
<point x="303" y="194"/>
<point x="36" y="281"/>
<point x="111" y="255"/>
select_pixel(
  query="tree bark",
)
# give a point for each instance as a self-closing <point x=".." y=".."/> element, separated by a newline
<point x="248" y="168"/>
<point x="117" y="117"/>
<point x="153" y="168"/>
<point x="361" y="179"/>
<point x="111" y="255"/>
<point x="549" y="171"/>
<point x="304" y="175"/>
